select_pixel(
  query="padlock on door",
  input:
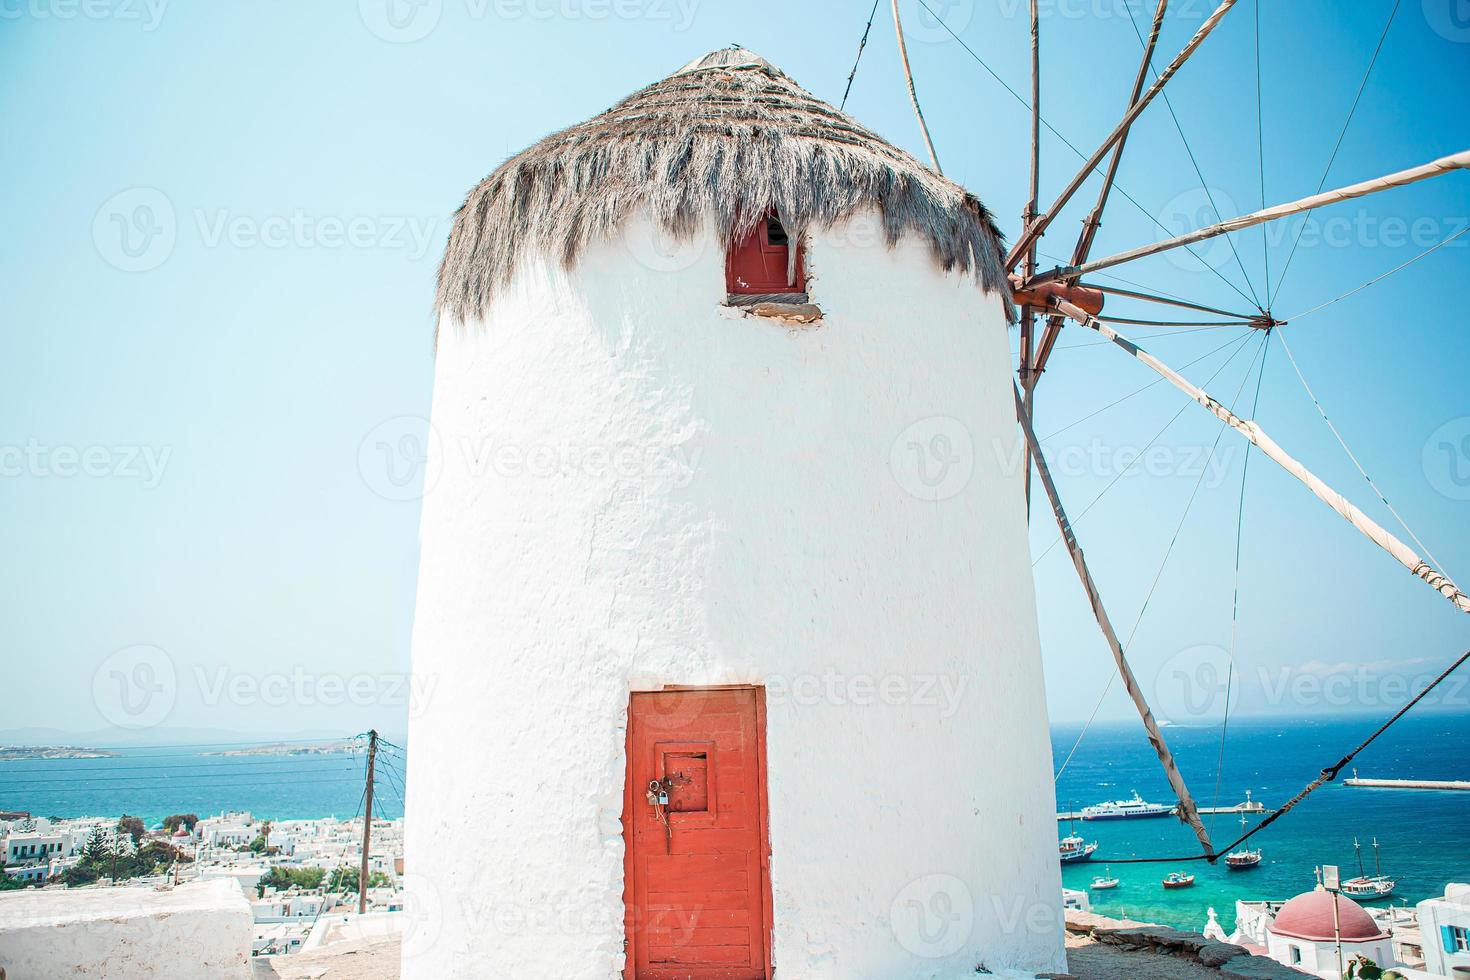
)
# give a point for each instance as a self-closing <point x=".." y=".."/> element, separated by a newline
<point x="658" y="794"/>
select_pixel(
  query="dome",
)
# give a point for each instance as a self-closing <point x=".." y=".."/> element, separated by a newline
<point x="1309" y="917"/>
<point x="729" y="137"/>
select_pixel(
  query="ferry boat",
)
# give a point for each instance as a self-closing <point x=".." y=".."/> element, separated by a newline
<point x="1075" y="849"/>
<point x="1178" y="879"/>
<point x="1104" y="881"/>
<point x="1245" y="858"/>
<point x="1366" y="886"/>
<point x="1125" y="809"/>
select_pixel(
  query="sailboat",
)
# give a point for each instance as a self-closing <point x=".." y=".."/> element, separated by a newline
<point x="1245" y="858"/>
<point x="1074" y="848"/>
<point x="1365" y="886"/>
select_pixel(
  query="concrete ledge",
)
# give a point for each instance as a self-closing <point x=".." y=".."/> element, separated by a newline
<point x="1228" y="959"/>
<point x="198" y="931"/>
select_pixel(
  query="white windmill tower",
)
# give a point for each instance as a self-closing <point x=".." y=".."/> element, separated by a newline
<point x="725" y="585"/>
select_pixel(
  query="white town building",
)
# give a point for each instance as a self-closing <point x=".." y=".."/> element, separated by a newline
<point x="725" y="587"/>
<point x="1306" y="933"/>
<point x="1444" y="924"/>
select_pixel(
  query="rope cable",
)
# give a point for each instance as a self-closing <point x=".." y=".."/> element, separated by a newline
<point x="1327" y="775"/>
<point x="1235" y="598"/>
<point x="1271" y="293"/>
<point x="1158" y="576"/>
<point x="1374" y="281"/>
<point x="1082" y="156"/>
<point x="1204" y="184"/>
<point x="1134" y="462"/>
<point x="861" y="45"/>
<point x="1352" y="456"/>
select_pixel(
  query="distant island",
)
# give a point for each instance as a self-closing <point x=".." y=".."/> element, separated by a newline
<point x="281" y="748"/>
<point x="20" y="753"/>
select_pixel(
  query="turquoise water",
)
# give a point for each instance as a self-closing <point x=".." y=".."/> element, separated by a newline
<point x="155" y="782"/>
<point x="1425" y="836"/>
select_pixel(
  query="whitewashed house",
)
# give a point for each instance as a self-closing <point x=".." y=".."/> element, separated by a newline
<point x="1444" y="924"/>
<point x="725" y="587"/>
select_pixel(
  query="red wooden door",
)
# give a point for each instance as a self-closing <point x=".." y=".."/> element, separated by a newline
<point x="697" y="886"/>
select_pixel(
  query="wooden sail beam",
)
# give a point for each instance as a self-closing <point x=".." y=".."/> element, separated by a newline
<point x="1028" y="214"/>
<point x="1035" y="229"/>
<point x="1456" y="161"/>
<point x="1188" y="811"/>
<point x="1093" y="221"/>
<point x="903" y="55"/>
<point x="1401" y="552"/>
<point x="1182" y="304"/>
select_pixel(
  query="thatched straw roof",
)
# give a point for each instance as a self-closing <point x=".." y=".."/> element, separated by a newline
<point x="728" y="135"/>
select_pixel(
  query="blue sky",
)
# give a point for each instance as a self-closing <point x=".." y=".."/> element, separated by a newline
<point x="224" y="219"/>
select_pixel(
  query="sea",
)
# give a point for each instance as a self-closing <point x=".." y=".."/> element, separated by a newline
<point x="1423" y="836"/>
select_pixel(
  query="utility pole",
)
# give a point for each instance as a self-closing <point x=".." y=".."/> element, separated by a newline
<point x="367" y="822"/>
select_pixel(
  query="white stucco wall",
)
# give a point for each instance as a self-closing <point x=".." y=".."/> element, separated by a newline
<point x="197" y="931"/>
<point x="628" y="488"/>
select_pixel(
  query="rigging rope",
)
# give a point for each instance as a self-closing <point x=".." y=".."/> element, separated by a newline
<point x="1327" y="776"/>
<point x="1377" y="279"/>
<point x="1137" y="391"/>
<point x="1341" y="442"/>
<point x="1261" y="161"/>
<point x="1204" y="184"/>
<point x="1270" y="292"/>
<point x="1082" y="156"/>
<point x="861" y="44"/>
<point x="1141" y="453"/>
<point x="1158" y="576"/>
<point x="1235" y="590"/>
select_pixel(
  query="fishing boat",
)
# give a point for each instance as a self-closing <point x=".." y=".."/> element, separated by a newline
<point x="1125" y="809"/>
<point x="1366" y="886"/>
<point x="1178" y="879"/>
<point x="1075" y="849"/>
<point x="1245" y="858"/>
<point x="1104" y="881"/>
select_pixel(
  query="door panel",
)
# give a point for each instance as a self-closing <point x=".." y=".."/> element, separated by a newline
<point x="697" y="875"/>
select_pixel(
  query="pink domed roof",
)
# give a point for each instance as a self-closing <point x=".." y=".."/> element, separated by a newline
<point x="1309" y="916"/>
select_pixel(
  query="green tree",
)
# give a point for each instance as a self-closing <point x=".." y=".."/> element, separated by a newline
<point x="174" y="821"/>
<point x="95" y="849"/>
<point x="132" y="826"/>
<point x="343" y="879"/>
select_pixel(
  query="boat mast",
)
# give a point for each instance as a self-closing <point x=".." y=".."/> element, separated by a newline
<point x="1358" y="849"/>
